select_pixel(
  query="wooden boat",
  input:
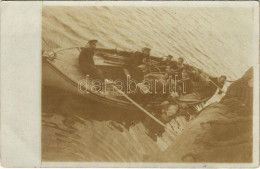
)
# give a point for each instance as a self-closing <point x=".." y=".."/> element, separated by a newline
<point x="60" y="68"/>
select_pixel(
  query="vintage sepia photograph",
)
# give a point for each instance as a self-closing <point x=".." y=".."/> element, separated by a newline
<point x="147" y="83"/>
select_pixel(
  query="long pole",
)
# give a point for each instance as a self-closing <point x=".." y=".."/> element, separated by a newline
<point x="211" y="81"/>
<point x="145" y="111"/>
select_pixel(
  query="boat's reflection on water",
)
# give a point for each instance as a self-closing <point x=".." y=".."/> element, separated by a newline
<point x="69" y="120"/>
<point x="66" y="104"/>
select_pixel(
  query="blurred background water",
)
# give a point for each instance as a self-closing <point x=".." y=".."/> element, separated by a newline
<point x="218" y="40"/>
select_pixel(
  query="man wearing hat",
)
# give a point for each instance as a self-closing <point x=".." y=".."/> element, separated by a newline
<point x="143" y="61"/>
<point x="86" y="61"/>
<point x="145" y="56"/>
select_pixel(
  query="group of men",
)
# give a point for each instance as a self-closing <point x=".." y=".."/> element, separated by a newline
<point x="143" y="63"/>
<point x="191" y="79"/>
<point x="87" y="65"/>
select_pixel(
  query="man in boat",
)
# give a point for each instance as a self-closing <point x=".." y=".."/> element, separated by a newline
<point x="192" y="86"/>
<point x="168" y="63"/>
<point x="180" y="65"/>
<point x="185" y="84"/>
<point x="86" y="61"/>
<point x="215" y="83"/>
<point x="167" y="60"/>
<point x="143" y="62"/>
<point x="207" y="86"/>
<point x="175" y="68"/>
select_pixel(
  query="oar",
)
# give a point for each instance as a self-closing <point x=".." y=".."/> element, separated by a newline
<point x="145" y="111"/>
<point x="230" y="81"/>
<point x="220" y="90"/>
<point x="211" y="80"/>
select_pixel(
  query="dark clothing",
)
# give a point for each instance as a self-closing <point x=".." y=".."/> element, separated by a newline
<point x="86" y="56"/>
<point x="210" y="88"/>
<point x="215" y="80"/>
<point x="175" y="68"/>
<point x="187" y="86"/>
<point x="87" y="65"/>
<point x="138" y="58"/>
<point x="140" y="68"/>
<point x="172" y="64"/>
<point x="92" y="71"/>
<point x="139" y="75"/>
<point x="194" y="76"/>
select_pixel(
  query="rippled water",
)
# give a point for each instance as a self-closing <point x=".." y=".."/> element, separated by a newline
<point x="214" y="39"/>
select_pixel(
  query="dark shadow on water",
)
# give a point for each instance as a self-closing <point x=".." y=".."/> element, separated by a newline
<point x="72" y="106"/>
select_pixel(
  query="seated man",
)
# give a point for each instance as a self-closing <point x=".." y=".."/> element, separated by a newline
<point x="86" y="61"/>
<point x="180" y="65"/>
<point x="211" y="85"/>
<point x="185" y="84"/>
<point x="168" y="63"/>
<point x="167" y="60"/>
<point x="175" y="68"/>
<point x="217" y="82"/>
<point x="143" y="62"/>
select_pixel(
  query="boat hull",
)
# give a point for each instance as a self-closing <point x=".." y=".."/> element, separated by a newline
<point x="54" y="78"/>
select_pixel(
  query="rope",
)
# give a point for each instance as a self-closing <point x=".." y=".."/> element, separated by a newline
<point x="56" y="51"/>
